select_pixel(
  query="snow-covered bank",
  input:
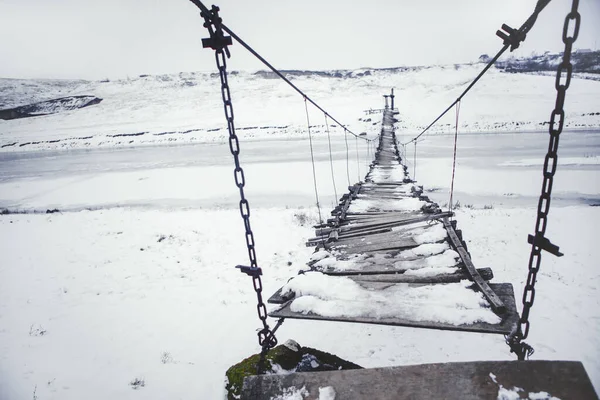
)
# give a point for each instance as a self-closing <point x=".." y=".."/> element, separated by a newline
<point x="91" y="301"/>
<point x="186" y="107"/>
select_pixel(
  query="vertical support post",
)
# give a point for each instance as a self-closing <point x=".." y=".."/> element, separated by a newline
<point x="392" y="97"/>
<point x="385" y="96"/>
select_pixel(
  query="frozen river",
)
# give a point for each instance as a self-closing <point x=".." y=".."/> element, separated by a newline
<point x="492" y="169"/>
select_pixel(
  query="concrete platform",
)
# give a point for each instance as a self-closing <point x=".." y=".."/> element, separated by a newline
<point x="453" y="381"/>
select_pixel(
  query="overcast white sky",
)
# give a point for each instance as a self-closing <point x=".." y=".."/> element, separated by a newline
<point x="119" y="38"/>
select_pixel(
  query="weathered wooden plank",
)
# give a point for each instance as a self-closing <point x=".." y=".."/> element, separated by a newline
<point x="450" y="381"/>
<point x="399" y="243"/>
<point x="316" y="241"/>
<point x="389" y="273"/>
<point x="371" y="240"/>
<point x="380" y="223"/>
<point x="387" y="183"/>
<point x="394" y="220"/>
<point x="486" y="273"/>
<point x="369" y="212"/>
<point x="395" y="191"/>
<point x="371" y="268"/>
<point x="370" y="187"/>
<point x="387" y="195"/>
<point x="491" y="297"/>
<point x="392" y="196"/>
<point x="367" y="228"/>
<point x="372" y="230"/>
<point x="392" y="190"/>
<point x="361" y="217"/>
<point x="278" y="298"/>
<point x="504" y="290"/>
<point x="354" y="191"/>
<point x="362" y="239"/>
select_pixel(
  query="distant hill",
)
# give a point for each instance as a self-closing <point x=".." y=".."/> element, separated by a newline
<point x="584" y="61"/>
<point x="187" y="107"/>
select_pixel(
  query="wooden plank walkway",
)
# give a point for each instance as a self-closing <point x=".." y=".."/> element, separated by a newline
<point x="387" y="238"/>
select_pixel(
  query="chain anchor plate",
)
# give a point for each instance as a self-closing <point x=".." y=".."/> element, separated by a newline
<point x="219" y="42"/>
<point x="538" y="241"/>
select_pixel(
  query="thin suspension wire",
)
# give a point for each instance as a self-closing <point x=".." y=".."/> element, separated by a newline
<point x="357" y="160"/>
<point x="331" y="159"/>
<point x="312" y="158"/>
<point x="454" y="158"/>
<point x="415" y="163"/>
<point x="347" y="157"/>
<point x="527" y="25"/>
<point x="245" y="45"/>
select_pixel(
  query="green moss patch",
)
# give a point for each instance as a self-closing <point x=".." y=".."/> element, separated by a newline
<point x="288" y="357"/>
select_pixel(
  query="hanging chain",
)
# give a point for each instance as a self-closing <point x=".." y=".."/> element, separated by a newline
<point x="219" y="42"/>
<point x="539" y="242"/>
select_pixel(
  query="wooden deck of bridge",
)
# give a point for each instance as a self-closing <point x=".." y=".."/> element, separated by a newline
<point x="379" y="221"/>
<point x="383" y="230"/>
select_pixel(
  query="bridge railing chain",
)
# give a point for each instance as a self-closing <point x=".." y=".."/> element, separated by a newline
<point x="538" y="241"/>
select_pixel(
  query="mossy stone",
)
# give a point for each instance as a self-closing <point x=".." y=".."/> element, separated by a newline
<point x="290" y="357"/>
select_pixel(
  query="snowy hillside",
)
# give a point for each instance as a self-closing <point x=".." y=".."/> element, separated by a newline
<point x="584" y="62"/>
<point x="187" y="107"/>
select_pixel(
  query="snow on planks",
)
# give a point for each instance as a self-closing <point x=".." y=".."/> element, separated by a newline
<point x="452" y="381"/>
<point x="391" y="256"/>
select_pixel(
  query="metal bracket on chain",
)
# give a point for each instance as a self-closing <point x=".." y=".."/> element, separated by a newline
<point x="250" y="271"/>
<point x="544" y="244"/>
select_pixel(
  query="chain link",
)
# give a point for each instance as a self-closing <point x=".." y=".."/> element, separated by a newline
<point x="539" y="242"/>
<point x="266" y="337"/>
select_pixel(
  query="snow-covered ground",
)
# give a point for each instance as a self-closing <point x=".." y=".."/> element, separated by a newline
<point x="186" y="107"/>
<point x="134" y="280"/>
<point x="142" y="286"/>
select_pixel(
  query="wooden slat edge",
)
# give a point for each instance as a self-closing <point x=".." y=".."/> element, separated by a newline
<point x="495" y="301"/>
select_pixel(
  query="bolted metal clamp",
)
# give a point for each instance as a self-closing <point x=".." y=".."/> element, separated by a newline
<point x="521" y="349"/>
<point x="217" y="40"/>
<point x="511" y="36"/>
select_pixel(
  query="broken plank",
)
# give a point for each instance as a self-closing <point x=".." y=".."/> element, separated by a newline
<point x="398" y="220"/>
<point x="494" y="300"/>
<point x="372" y="238"/>
<point x="358" y="217"/>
